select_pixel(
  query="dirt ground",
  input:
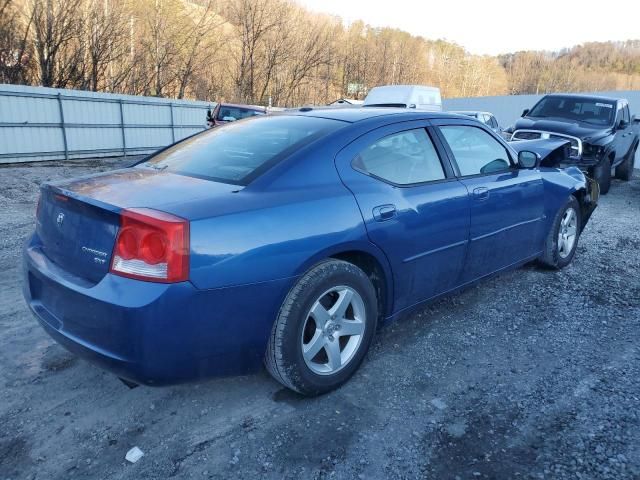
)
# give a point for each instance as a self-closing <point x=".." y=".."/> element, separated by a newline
<point x="532" y="374"/>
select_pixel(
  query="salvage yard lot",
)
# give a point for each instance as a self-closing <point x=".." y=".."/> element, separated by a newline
<point x="531" y="374"/>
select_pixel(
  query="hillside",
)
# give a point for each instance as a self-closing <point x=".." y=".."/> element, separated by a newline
<point x="257" y="51"/>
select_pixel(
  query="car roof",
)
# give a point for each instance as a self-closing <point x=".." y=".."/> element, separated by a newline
<point x="357" y="114"/>
<point x="470" y="112"/>
<point x="586" y="97"/>
<point x="240" y="105"/>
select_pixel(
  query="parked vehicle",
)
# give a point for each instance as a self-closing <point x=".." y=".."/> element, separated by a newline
<point x="346" y="102"/>
<point x="485" y="117"/>
<point x="602" y="132"/>
<point x="419" y="97"/>
<point x="289" y="239"/>
<point x="230" y="112"/>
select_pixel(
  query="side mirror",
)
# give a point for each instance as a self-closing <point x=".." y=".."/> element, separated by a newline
<point x="209" y="117"/>
<point x="524" y="112"/>
<point x="528" y="159"/>
<point x="622" y="125"/>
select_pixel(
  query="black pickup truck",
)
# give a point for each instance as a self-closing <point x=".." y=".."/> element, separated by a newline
<point x="602" y="132"/>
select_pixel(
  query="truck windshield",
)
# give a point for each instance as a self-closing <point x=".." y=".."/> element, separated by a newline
<point x="592" y="111"/>
<point x="240" y="151"/>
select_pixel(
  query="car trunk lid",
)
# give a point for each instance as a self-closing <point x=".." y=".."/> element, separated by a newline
<point x="78" y="220"/>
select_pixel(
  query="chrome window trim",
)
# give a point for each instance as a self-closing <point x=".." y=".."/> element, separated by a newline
<point x="548" y="134"/>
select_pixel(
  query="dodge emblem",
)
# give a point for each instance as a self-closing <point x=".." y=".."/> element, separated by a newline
<point x="60" y="219"/>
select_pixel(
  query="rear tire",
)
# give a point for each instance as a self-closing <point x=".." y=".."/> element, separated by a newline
<point x="562" y="240"/>
<point x="332" y="311"/>
<point x="602" y="175"/>
<point x="624" y="171"/>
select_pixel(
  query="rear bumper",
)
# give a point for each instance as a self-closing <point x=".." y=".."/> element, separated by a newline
<point x="153" y="333"/>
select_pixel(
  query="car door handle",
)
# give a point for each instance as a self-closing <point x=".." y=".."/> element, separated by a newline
<point x="384" y="212"/>
<point x="481" y="193"/>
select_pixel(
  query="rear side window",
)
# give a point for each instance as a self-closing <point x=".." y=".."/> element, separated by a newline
<point x="475" y="151"/>
<point x="403" y="158"/>
<point x="238" y="152"/>
<point x="236" y="113"/>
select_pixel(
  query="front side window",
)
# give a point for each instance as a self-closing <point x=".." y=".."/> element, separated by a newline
<point x="238" y="152"/>
<point x="625" y="114"/>
<point x="403" y="158"/>
<point x="475" y="151"/>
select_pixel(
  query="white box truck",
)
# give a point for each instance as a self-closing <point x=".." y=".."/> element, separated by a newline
<point x="419" y="97"/>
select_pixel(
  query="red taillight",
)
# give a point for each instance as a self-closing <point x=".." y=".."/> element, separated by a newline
<point x="151" y="245"/>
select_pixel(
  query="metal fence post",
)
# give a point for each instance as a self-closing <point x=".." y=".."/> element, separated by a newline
<point x="173" y="129"/>
<point x="124" y="137"/>
<point x="62" y="126"/>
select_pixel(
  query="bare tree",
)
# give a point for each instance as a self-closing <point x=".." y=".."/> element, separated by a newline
<point x="200" y="43"/>
<point x="55" y="25"/>
<point x="15" y="58"/>
<point x="106" y="36"/>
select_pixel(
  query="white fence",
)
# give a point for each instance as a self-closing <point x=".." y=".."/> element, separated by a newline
<point x="39" y="124"/>
<point x="507" y="109"/>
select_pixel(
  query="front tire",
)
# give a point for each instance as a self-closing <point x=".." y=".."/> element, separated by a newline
<point x="624" y="171"/>
<point x="562" y="240"/>
<point x="602" y="175"/>
<point x="324" y="328"/>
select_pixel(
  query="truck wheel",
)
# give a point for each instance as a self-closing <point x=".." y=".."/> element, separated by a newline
<point x="624" y="171"/>
<point x="562" y="240"/>
<point x="602" y="175"/>
<point x="324" y="328"/>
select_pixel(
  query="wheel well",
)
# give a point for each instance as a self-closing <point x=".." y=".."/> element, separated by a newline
<point x="580" y="196"/>
<point x="369" y="265"/>
<point x="586" y="209"/>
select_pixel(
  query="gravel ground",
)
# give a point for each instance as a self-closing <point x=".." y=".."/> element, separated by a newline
<point x="532" y="374"/>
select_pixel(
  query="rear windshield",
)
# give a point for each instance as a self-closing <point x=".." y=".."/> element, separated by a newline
<point x="236" y="113"/>
<point x="592" y="111"/>
<point x="238" y="152"/>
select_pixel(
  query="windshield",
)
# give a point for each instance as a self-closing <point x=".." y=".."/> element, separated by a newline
<point x="228" y="113"/>
<point x="238" y="152"/>
<point x="592" y="111"/>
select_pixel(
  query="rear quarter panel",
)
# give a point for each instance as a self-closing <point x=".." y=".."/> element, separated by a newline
<point x="280" y="225"/>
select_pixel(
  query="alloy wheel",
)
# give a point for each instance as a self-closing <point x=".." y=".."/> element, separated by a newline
<point x="333" y="330"/>
<point x="567" y="233"/>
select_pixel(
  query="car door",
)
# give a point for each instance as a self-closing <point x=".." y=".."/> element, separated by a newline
<point x="626" y="134"/>
<point x="507" y="203"/>
<point x="413" y="207"/>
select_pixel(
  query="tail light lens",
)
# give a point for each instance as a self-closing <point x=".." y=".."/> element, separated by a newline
<point x="152" y="246"/>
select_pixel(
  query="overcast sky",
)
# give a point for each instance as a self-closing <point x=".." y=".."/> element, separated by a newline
<point x="496" y="26"/>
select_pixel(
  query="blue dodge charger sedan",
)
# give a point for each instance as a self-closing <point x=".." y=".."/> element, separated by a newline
<point x="287" y="239"/>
